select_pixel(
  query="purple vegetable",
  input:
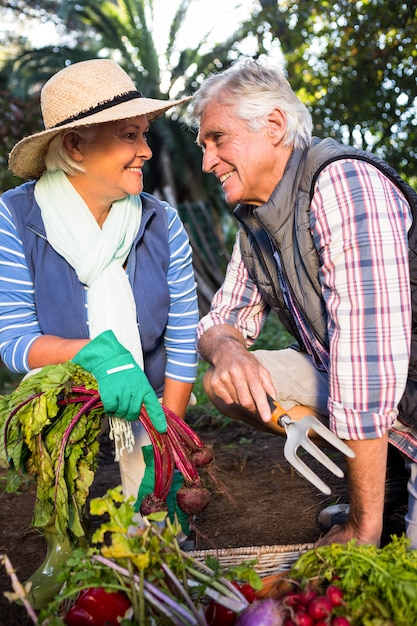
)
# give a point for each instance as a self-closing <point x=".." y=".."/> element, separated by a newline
<point x="267" y="612"/>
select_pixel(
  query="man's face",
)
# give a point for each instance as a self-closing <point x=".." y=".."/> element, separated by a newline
<point x="244" y="161"/>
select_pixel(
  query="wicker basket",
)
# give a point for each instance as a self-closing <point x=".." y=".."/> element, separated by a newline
<point x="270" y="560"/>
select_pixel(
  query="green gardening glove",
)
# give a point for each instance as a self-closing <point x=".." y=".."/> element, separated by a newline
<point x="122" y="384"/>
<point x="148" y="484"/>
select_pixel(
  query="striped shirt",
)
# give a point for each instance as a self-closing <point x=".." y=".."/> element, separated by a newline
<point x="19" y="326"/>
<point x="359" y="222"/>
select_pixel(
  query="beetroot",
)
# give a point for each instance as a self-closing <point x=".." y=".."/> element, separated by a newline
<point x="192" y="498"/>
<point x="179" y="447"/>
<point x="202" y="456"/>
<point x="152" y="504"/>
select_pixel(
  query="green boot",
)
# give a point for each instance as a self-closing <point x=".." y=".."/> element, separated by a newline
<point x="44" y="580"/>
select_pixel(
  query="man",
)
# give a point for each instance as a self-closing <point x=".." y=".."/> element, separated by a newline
<point x="324" y="239"/>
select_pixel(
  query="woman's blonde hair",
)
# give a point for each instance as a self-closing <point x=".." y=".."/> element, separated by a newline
<point x="57" y="156"/>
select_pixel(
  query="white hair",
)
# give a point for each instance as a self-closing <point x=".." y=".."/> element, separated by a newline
<point x="255" y="90"/>
<point x="57" y="157"/>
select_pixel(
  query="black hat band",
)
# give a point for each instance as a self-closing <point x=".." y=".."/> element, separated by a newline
<point x="102" y="106"/>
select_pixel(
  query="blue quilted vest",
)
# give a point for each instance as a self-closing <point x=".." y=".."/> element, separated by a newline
<point x="60" y="297"/>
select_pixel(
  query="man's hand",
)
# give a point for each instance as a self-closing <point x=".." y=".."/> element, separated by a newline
<point x="237" y="377"/>
<point x="366" y="473"/>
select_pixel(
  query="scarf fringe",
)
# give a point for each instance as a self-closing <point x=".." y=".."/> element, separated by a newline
<point x="120" y="431"/>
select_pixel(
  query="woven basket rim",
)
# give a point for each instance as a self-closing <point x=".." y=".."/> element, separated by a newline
<point x="269" y="560"/>
<point x="253" y="550"/>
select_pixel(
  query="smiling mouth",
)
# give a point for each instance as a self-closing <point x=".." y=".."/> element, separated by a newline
<point x="223" y="178"/>
<point x="134" y="169"/>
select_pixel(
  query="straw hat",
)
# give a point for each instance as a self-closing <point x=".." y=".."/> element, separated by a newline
<point x="89" y="92"/>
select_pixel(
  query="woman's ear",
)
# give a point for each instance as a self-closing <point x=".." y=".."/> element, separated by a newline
<point x="73" y="145"/>
<point x="277" y="125"/>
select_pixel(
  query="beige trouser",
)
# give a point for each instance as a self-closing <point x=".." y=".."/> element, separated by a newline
<point x="296" y="379"/>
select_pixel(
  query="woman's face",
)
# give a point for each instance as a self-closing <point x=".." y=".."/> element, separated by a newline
<point x="113" y="161"/>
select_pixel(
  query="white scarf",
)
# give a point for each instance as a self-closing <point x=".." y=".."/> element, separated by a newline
<point x="96" y="254"/>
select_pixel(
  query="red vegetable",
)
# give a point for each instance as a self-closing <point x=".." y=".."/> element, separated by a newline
<point x="97" y="607"/>
<point x="340" y="621"/>
<point x="307" y="595"/>
<point x="319" y="608"/>
<point x="79" y="617"/>
<point x="302" y="618"/>
<point x="192" y="498"/>
<point x="248" y="591"/>
<point x="335" y="595"/>
<point x="182" y="448"/>
<point x="152" y="504"/>
<point x="202" y="456"/>
<point x="218" y="615"/>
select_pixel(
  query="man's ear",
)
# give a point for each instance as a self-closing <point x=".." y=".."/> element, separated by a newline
<point x="277" y="125"/>
<point x="72" y="144"/>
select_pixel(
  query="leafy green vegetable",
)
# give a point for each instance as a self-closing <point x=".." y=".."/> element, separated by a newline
<point x="164" y="585"/>
<point x="379" y="584"/>
<point x="48" y="427"/>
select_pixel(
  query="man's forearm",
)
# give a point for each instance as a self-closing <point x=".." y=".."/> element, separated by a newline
<point x="367" y="485"/>
<point x="216" y="339"/>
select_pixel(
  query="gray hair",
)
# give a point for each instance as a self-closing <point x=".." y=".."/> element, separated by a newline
<point x="57" y="157"/>
<point x="255" y="89"/>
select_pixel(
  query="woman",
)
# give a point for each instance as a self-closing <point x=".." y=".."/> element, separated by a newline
<point x="94" y="270"/>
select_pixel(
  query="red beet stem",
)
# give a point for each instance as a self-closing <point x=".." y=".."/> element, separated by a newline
<point x="182" y="457"/>
<point x="183" y="428"/>
<point x="163" y="460"/>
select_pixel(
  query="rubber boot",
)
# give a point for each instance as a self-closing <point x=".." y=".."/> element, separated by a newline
<point x="44" y="580"/>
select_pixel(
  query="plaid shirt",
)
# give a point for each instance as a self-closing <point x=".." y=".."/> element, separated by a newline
<point x="359" y="222"/>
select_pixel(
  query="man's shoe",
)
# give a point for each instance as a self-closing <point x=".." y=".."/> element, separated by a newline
<point x="332" y="515"/>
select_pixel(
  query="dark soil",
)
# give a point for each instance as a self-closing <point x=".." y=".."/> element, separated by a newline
<point x="266" y="503"/>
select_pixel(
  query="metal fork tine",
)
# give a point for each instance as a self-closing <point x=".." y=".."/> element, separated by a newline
<point x="297" y="436"/>
<point x="297" y="432"/>
<point x="304" y="470"/>
<point x="310" y="447"/>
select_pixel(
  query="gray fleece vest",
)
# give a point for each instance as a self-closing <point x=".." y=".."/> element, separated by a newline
<point x="285" y="221"/>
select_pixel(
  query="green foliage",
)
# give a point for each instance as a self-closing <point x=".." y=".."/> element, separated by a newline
<point x="354" y="65"/>
<point x="18" y="119"/>
<point x="37" y="421"/>
<point x="379" y="584"/>
<point x="163" y="584"/>
<point x="273" y="335"/>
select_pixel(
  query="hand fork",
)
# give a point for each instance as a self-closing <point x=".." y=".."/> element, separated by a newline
<point x="297" y="436"/>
